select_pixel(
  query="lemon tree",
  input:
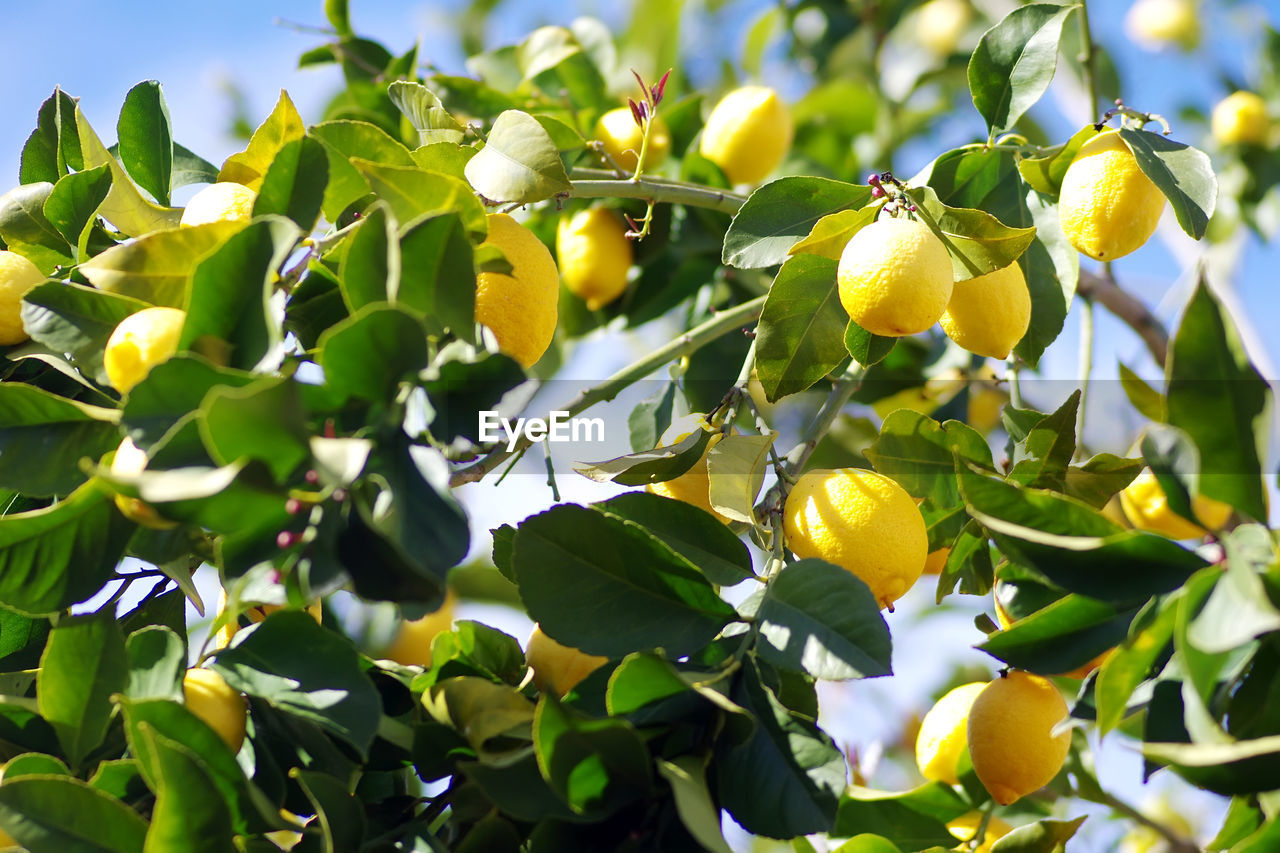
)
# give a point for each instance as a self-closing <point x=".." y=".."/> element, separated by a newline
<point x="811" y="307"/>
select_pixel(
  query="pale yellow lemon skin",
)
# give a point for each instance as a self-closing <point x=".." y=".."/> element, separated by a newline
<point x="256" y="614"/>
<point x="558" y="668"/>
<point x="1240" y="119"/>
<point x="966" y="826"/>
<point x="693" y="486"/>
<point x="1156" y="23"/>
<point x="943" y="736"/>
<point x="941" y="23"/>
<point x="1147" y="508"/>
<point x="621" y="137"/>
<point x="1011" y="740"/>
<point x="139" y="343"/>
<point x="748" y="134"/>
<point x="1108" y="206"/>
<point x="863" y="522"/>
<point x="519" y="308"/>
<point x="412" y="643"/>
<point x="129" y="461"/>
<point x="989" y="314"/>
<point x="894" y="277"/>
<point x="209" y="697"/>
<point x="221" y="202"/>
<point x="594" y="255"/>
<point x="17" y="276"/>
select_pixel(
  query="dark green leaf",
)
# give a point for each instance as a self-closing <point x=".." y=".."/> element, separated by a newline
<point x="910" y="819"/>
<point x="782" y="212"/>
<point x="25" y="229"/>
<point x="1100" y="478"/>
<point x="339" y="814"/>
<point x="75" y="199"/>
<point x="1043" y="836"/>
<point x="800" y="338"/>
<point x="653" y="415"/>
<point x="1148" y="401"/>
<point x="190" y="168"/>
<point x="686" y="775"/>
<point x="650" y="466"/>
<point x="83" y="664"/>
<point x="77" y="320"/>
<point x="64" y="814"/>
<point x="146" y="139"/>
<point x="1014" y="63"/>
<point x="867" y="349"/>
<point x="596" y="766"/>
<point x="172" y="391"/>
<point x="437" y="275"/>
<point x="295" y="183"/>
<point x="264" y="420"/>
<point x="1060" y="637"/>
<point x="371" y="352"/>
<point x="1184" y="174"/>
<point x="415" y="192"/>
<point x="157" y="660"/>
<point x="189" y="812"/>
<point x="54" y="145"/>
<point x="919" y="453"/>
<point x="43" y="437"/>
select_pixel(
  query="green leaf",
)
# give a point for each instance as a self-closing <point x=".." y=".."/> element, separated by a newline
<point x="736" y="467"/>
<point x="641" y="679"/>
<point x="1100" y="478"/>
<point x="343" y="140"/>
<point x="189" y="812"/>
<point x="653" y="415"/>
<point x="190" y="168"/>
<point x="54" y="145"/>
<point x="264" y="420"/>
<point x="295" y="183"/>
<point x="425" y="112"/>
<point x="371" y="266"/>
<point x="34" y="764"/>
<point x="833" y="232"/>
<point x="146" y="139"/>
<point x="22" y="640"/>
<point x="686" y="775"/>
<point x="370" y="353"/>
<point x="415" y="192"/>
<point x="437" y="273"/>
<point x="1014" y="63"/>
<point x="1184" y="174"/>
<point x="865" y="348"/>
<point x="43" y="437"/>
<point x="800" y="338"/>
<point x="339" y="814"/>
<point x="1042" y="456"/>
<point x="912" y="819"/>
<point x="919" y="453"/>
<point x="977" y="242"/>
<point x="576" y="568"/>
<point x="782" y="212"/>
<point x="596" y="766"/>
<point x="74" y="202"/>
<point x="1043" y="836"/>
<point x="64" y="814"/>
<point x="124" y="207"/>
<point x="83" y="664"/>
<point x="1044" y="174"/>
<point x="822" y="620"/>
<point x="26" y="230"/>
<point x="519" y="162"/>
<point x="171" y="391"/>
<point x="250" y="166"/>
<point x="1051" y="266"/>
<point x="495" y="719"/>
<point x="157" y="660"/>
<point x="1238" y="609"/>
<point x="1148" y="401"/>
<point x="649" y="466"/>
<point x="1060" y="637"/>
<point x="157" y="268"/>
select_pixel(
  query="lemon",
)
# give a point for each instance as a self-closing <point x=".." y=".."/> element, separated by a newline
<point x="748" y="134"/>
<point x="1147" y="508"/>
<point x="412" y="643"/>
<point x="1156" y="23"/>
<point x="941" y="23"/>
<point x="943" y="738"/>
<point x="693" y="486"/>
<point x="519" y="308"/>
<point x="989" y="314"/>
<point x="1240" y="119"/>
<point x="985" y="405"/>
<point x="557" y="668"/>
<point x="1108" y="206"/>
<point x="17" y="276"/>
<point x="1011" y="740"/>
<point x="130" y="461"/>
<point x="894" y="277"/>
<point x="936" y="561"/>
<point x="621" y="137"/>
<point x="594" y="255"/>
<point x="966" y="826"/>
<point x="221" y="202"/>
<point x="209" y="697"/>
<point x="139" y="343"/>
<point x="861" y="521"/>
<point x="256" y="613"/>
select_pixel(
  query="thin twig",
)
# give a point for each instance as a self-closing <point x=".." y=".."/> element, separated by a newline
<point x="1127" y="308"/>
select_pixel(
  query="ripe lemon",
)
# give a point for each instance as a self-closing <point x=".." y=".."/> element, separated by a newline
<point x="139" y="343"/>
<point x="966" y="826"/>
<point x="1011" y="740"/>
<point x="209" y="697"/>
<point x="621" y="137"/>
<point x="129" y="461"/>
<point x="1147" y="508"/>
<point x="748" y="134"/>
<point x="694" y="485"/>
<point x="1156" y="23"/>
<point x="1240" y="119"/>
<point x="941" y="23"/>
<point x="519" y="308"/>
<point x="943" y="734"/>
<point x="17" y="276"/>
<point x="861" y="521"/>
<point x="936" y="561"/>
<point x="412" y="643"/>
<point x="221" y="202"/>
<point x="557" y="668"/>
<point x="894" y="277"/>
<point x="255" y="614"/>
<point x="594" y="255"/>
<point x="1108" y="206"/>
<point x="989" y="314"/>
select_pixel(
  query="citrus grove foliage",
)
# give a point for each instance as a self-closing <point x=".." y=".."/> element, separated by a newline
<point x="283" y="383"/>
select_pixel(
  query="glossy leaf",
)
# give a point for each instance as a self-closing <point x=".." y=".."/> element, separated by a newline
<point x="54" y="146"/>
<point x="519" y="162"/>
<point x="650" y="466"/>
<point x="867" y="349"/>
<point x="425" y="112"/>
<point x="1043" y="836"/>
<point x="157" y="658"/>
<point x="687" y="777"/>
<point x="189" y="813"/>
<point x="339" y="814"/>
<point x="294" y="184"/>
<point x="415" y="192"/>
<point x="26" y="229"/>
<point x="833" y="232"/>
<point x="1184" y="174"/>
<point x="437" y="276"/>
<point x="83" y="665"/>
<point x="74" y="202"/>
<point x="1014" y="63"/>
<point x="783" y="212"/>
<point x="370" y="267"/>
<point x="146" y="139"/>
<point x="736" y="467"/>
<point x="371" y="352"/>
<point x="919" y="453"/>
<point x="62" y="813"/>
<point x="1061" y="637"/>
<point x="913" y="819"/>
<point x="43" y="437"/>
<point x="800" y="338"/>
<point x="124" y="206"/>
<point x="595" y="765"/>
<point x="158" y="267"/>
<point x="343" y="140"/>
<point x="977" y="242"/>
<point x="262" y="421"/>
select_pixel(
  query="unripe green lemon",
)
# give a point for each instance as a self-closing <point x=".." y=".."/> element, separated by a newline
<point x="1156" y="23"/>
<point x="519" y="308"/>
<point x="1240" y="119"/>
<point x="943" y="735"/>
<point x="129" y="461"/>
<point x="221" y="202"/>
<point x="139" y="343"/>
<point x="941" y="23"/>
<point x="209" y="697"/>
<point x="558" y="668"/>
<point x="17" y="276"/>
<point x="863" y="522"/>
<point x="594" y="255"/>
<point x="748" y="134"/>
<point x="1011" y="740"/>
<point x="989" y="314"/>
<point x="894" y="277"/>
<point x="1147" y="507"/>
<point x="412" y="643"/>
<point x="621" y="136"/>
<point x="693" y="486"/>
<point x="1108" y="206"/>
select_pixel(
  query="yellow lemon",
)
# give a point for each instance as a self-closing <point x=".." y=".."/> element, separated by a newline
<point x="1108" y="206"/>
<point x="557" y="668"/>
<point x="694" y="485"/>
<point x="1156" y="23"/>
<point x="412" y="643"/>
<point x="941" y="23"/>
<point x="17" y="276"/>
<point x="861" y="521"/>
<point x="989" y="314"/>
<point x="1240" y="119"/>
<point x="209" y="697"/>
<point x="621" y="137"/>
<point x="748" y="134"/>
<point x="256" y="613"/>
<point x="986" y="402"/>
<point x="594" y="255"/>
<point x="221" y="202"/>
<point x="519" y="308"/>
<point x="936" y="561"/>
<point x="129" y="461"/>
<point x="1147" y="508"/>
<point x="894" y="277"/>
<point x="1011" y="740"/>
<point x="139" y="343"/>
<point x="943" y="737"/>
<point x="966" y="826"/>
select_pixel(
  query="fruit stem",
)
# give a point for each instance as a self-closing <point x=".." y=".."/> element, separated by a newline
<point x="1178" y="843"/>
<point x="1088" y="62"/>
<point x="1104" y="290"/>
<point x="1086" y="369"/>
<point x="656" y="191"/>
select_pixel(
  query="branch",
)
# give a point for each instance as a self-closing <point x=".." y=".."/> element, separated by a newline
<point x="1129" y="309"/>
<point x="656" y="190"/>
<point x="1178" y="843"/>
